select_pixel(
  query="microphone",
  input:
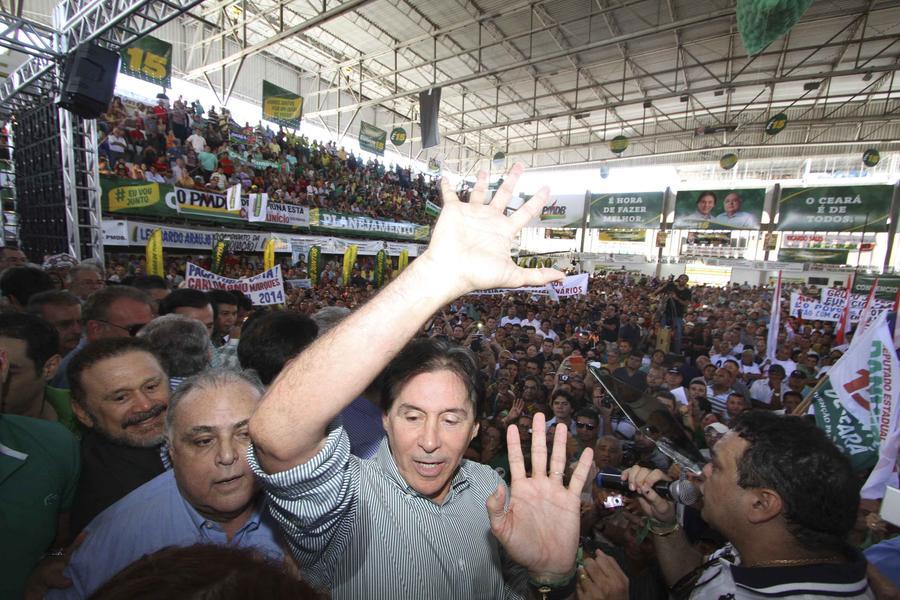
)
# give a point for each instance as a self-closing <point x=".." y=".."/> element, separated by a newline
<point x="681" y="491"/>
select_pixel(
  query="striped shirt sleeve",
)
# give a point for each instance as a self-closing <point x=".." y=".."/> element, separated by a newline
<point x="315" y="504"/>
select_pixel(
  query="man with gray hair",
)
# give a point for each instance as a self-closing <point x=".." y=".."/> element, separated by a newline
<point x="182" y="345"/>
<point x="209" y="497"/>
<point x="84" y="280"/>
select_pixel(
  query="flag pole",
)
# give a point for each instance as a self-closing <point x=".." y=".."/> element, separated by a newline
<point x="804" y="406"/>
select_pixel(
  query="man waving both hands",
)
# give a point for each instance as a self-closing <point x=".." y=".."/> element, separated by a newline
<point x="418" y="521"/>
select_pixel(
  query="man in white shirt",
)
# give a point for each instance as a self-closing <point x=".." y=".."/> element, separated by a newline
<point x="196" y="141"/>
<point x="674" y="378"/>
<point x="511" y="318"/>
<point x="767" y="392"/>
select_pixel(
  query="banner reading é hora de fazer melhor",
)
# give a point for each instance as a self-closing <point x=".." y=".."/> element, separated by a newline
<point x="630" y="210"/>
<point x="719" y="209"/>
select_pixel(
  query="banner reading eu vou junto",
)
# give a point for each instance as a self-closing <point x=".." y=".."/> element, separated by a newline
<point x="845" y="208"/>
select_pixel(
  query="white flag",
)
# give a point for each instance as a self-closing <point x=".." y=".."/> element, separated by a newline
<point x="233" y="198"/>
<point x="867" y="382"/>
<point x="257" y="207"/>
<point x="774" y="322"/>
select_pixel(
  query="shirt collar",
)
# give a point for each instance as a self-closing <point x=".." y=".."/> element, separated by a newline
<point x="200" y="522"/>
<point x="385" y="460"/>
<point x="848" y="576"/>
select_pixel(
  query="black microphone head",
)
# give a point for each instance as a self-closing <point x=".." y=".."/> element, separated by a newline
<point x="684" y="491"/>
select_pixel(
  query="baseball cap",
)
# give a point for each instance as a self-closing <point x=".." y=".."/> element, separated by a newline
<point x="797" y="373"/>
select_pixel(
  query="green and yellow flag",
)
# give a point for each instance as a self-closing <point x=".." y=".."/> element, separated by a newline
<point x="349" y="259"/>
<point x="403" y="261"/>
<point x="155" y="265"/>
<point x="269" y="254"/>
<point x="219" y="251"/>
<point x="313" y="263"/>
<point x="380" y="259"/>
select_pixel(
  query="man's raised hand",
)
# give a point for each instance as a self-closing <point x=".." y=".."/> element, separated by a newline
<point x="541" y="526"/>
<point x="470" y="245"/>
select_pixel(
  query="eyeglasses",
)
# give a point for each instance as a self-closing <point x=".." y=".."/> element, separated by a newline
<point x="131" y="329"/>
<point x="589" y="426"/>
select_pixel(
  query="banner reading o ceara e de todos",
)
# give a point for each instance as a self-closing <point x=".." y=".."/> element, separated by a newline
<point x="845" y="208"/>
<point x="263" y="289"/>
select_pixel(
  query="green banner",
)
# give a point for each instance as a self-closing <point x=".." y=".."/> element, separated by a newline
<point x="149" y="59"/>
<point x="813" y="255"/>
<point x="622" y="235"/>
<point x="628" y="210"/>
<point x="321" y="220"/>
<point x="856" y="440"/>
<point x="371" y="138"/>
<point x="719" y="209"/>
<point x="846" y="208"/>
<point x="887" y="285"/>
<point x="281" y="106"/>
<point x="130" y="197"/>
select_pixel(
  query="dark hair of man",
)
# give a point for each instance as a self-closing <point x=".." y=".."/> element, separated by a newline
<point x="97" y="351"/>
<point x="797" y="460"/>
<point x="561" y="393"/>
<point x="149" y="282"/>
<point x="792" y="394"/>
<point x="205" y="571"/>
<point x="41" y="339"/>
<point x="589" y="413"/>
<point x="22" y="283"/>
<point x="218" y="297"/>
<point x="182" y="344"/>
<point x="776" y="369"/>
<point x="731" y="360"/>
<point x="185" y="297"/>
<point x="272" y="340"/>
<point x="97" y="305"/>
<point x="243" y="302"/>
<point x="60" y="298"/>
<point x="427" y="355"/>
<point x="667" y="395"/>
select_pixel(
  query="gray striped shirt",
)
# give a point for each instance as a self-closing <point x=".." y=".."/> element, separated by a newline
<point x="356" y="527"/>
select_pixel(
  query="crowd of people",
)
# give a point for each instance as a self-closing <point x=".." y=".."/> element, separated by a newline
<point x="187" y="147"/>
<point x="422" y="440"/>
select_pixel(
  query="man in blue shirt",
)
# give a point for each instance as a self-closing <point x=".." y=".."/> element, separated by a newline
<point x="210" y="496"/>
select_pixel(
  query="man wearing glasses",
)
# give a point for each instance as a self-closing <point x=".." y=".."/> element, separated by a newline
<point x="116" y="311"/>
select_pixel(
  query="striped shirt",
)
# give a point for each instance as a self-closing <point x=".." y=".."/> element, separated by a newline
<point x="724" y="577"/>
<point x="357" y="528"/>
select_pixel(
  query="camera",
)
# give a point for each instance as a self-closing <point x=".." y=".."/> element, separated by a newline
<point x="614" y="501"/>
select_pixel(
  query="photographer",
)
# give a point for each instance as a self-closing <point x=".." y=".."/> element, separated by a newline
<point x="675" y="297"/>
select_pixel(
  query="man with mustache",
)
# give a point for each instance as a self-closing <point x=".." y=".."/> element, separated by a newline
<point x="119" y="395"/>
<point x="208" y="497"/>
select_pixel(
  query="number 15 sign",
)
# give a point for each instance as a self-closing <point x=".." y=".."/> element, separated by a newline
<point x="149" y="59"/>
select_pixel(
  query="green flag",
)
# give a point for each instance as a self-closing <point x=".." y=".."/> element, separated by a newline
<point x="149" y="59"/>
<point x="281" y="106"/>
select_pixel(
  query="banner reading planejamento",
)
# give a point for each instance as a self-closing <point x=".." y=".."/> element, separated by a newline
<point x="719" y="209"/>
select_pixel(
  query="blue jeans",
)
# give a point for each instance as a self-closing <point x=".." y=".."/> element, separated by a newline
<point x="677" y="325"/>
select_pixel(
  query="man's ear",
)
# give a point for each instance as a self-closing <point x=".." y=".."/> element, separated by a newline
<point x="765" y="505"/>
<point x="51" y="367"/>
<point x="82" y="415"/>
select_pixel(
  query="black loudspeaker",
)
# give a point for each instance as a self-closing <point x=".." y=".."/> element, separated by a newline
<point x="90" y="77"/>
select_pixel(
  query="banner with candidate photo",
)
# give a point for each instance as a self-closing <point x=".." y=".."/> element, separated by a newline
<point x="719" y="209"/>
<point x="845" y="208"/>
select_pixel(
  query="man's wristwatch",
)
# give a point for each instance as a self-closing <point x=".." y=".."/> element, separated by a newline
<point x="554" y="590"/>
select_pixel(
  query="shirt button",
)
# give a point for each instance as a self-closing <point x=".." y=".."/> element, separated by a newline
<point x="462" y="565"/>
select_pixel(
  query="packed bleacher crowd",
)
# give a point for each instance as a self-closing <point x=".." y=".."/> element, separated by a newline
<point x="154" y="386"/>
<point x="187" y="147"/>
